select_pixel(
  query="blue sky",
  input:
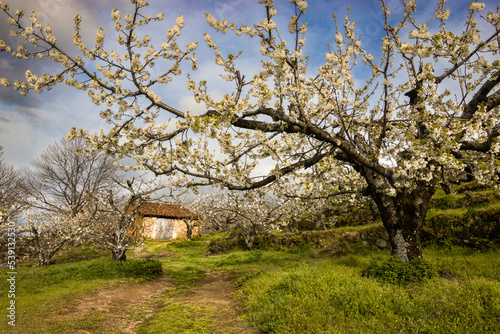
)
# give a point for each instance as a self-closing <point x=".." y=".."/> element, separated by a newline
<point x="29" y="124"/>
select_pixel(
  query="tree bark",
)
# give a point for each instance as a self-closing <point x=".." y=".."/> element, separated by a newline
<point x="120" y="245"/>
<point x="403" y="215"/>
<point x="249" y="240"/>
<point x="42" y="259"/>
<point x="119" y="253"/>
<point x="189" y="228"/>
<point x="44" y="255"/>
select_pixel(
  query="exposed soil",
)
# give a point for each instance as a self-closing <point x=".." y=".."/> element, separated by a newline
<point x="216" y="291"/>
<point x="124" y="308"/>
<point x="116" y="303"/>
<point x="139" y="252"/>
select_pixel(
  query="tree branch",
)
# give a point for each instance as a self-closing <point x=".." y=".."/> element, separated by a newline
<point x="482" y="97"/>
<point x="481" y="146"/>
<point x="459" y="64"/>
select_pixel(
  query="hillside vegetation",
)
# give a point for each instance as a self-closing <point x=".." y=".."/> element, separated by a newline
<point x="469" y="218"/>
<point x="306" y="282"/>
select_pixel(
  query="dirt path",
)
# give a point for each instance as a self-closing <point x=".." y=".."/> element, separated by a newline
<point x="117" y="305"/>
<point x="124" y="308"/>
<point x="216" y="291"/>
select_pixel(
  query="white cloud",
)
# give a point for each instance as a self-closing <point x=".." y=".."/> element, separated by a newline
<point x="29" y="124"/>
<point x="22" y="141"/>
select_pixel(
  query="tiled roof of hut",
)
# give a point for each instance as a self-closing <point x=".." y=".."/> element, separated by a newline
<point x="165" y="210"/>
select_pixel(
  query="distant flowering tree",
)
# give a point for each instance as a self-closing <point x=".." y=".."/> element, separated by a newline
<point x="57" y="191"/>
<point x="425" y="116"/>
<point x="105" y="220"/>
<point x="252" y="213"/>
<point x="321" y="192"/>
<point x="47" y="232"/>
<point x="111" y="215"/>
<point x="206" y="207"/>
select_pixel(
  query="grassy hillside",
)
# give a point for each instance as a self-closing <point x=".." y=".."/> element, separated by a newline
<point x="307" y="282"/>
<point x="470" y="219"/>
<point x="42" y="293"/>
<point x="330" y="296"/>
<point x="300" y="291"/>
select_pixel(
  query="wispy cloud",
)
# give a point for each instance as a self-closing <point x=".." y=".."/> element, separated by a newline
<point x="29" y="124"/>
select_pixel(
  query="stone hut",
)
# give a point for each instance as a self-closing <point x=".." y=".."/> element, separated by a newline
<point x="164" y="221"/>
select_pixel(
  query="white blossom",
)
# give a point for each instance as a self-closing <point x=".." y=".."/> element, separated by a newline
<point x="179" y="21"/>
<point x="443" y="15"/>
<point x="338" y="38"/>
<point x="4" y="82"/>
<point x="476" y="6"/>
<point x="192" y="46"/>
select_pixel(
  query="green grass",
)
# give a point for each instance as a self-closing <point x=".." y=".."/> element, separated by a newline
<point x="457" y="212"/>
<point x="463" y="263"/>
<point x="300" y="293"/>
<point x="281" y="291"/>
<point x="154" y="247"/>
<point x="330" y="296"/>
<point x="343" y="229"/>
<point x="185" y="274"/>
<point x="187" y="262"/>
<point x="40" y="291"/>
<point x="459" y="205"/>
<point x="178" y="318"/>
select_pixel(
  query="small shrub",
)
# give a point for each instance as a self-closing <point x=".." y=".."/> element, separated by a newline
<point x="147" y="268"/>
<point x="133" y="268"/>
<point x="293" y="242"/>
<point x="256" y="256"/>
<point x="444" y="203"/>
<point x="219" y="246"/>
<point x="307" y="223"/>
<point x="396" y="271"/>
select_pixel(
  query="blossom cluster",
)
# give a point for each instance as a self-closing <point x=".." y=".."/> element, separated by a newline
<point x="409" y="121"/>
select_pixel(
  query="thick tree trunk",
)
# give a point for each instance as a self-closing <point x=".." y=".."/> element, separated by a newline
<point x="403" y="215"/>
<point x="120" y="244"/>
<point x="42" y="259"/>
<point x="44" y="256"/>
<point x="189" y="228"/>
<point x="119" y="253"/>
<point x="249" y="240"/>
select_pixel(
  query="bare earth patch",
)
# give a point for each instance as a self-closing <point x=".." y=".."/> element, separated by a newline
<point x="115" y="304"/>
<point x="124" y="308"/>
<point x="139" y="252"/>
<point x="216" y="291"/>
